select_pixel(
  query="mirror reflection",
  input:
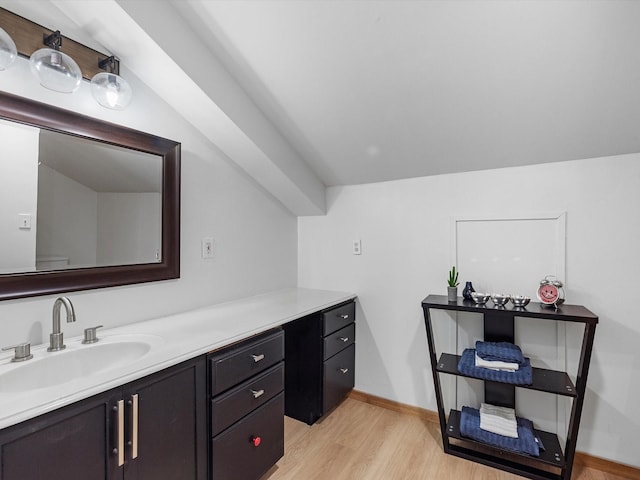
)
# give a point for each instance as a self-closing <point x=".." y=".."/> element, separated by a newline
<point x="68" y="202"/>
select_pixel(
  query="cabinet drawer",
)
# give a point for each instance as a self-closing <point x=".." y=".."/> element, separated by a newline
<point x="230" y="368"/>
<point x="339" y="377"/>
<point x="339" y="340"/>
<point x="338" y="317"/>
<point x="234" y="455"/>
<point x="230" y="407"/>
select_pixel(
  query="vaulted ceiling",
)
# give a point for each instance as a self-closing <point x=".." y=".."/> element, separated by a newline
<point x="304" y="94"/>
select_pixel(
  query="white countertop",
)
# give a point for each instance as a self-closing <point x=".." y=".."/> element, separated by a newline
<point x="175" y="338"/>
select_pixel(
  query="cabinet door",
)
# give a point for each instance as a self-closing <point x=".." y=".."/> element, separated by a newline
<point x="170" y="429"/>
<point x="73" y="443"/>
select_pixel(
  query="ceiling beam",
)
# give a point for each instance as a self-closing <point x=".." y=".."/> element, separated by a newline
<point x="153" y="41"/>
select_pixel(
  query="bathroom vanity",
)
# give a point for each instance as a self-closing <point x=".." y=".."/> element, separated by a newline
<point x="151" y="428"/>
<point x="204" y="401"/>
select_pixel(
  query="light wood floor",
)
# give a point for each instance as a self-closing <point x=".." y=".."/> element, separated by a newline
<point x="360" y="441"/>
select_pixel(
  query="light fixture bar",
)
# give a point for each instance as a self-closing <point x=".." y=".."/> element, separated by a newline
<point x="28" y="37"/>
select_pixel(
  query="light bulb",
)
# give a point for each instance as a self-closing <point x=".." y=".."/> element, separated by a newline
<point x="111" y="90"/>
<point x="112" y="94"/>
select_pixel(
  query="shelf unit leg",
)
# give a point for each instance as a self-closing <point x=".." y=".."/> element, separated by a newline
<point x="578" y="402"/>
<point x="436" y="380"/>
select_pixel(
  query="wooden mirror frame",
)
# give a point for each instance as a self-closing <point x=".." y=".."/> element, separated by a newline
<point x="28" y="284"/>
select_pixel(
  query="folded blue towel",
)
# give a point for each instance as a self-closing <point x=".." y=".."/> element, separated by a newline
<point x="467" y="366"/>
<point x="525" y="443"/>
<point x="500" y="351"/>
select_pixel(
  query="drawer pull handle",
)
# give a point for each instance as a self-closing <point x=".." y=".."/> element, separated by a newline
<point x="256" y="441"/>
<point x="134" y="425"/>
<point x="257" y="393"/>
<point x="344" y="370"/>
<point x="119" y="450"/>
<point x="257" y="358"/>
<point x="344" y="339"/>
<point x="344" y="316"/>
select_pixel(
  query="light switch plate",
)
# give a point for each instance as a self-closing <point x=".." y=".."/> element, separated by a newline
<point x="24" y="221"/>
<point x="207" y="247"/>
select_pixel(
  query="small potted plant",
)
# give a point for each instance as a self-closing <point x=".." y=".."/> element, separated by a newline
<point x="452" y="285"/>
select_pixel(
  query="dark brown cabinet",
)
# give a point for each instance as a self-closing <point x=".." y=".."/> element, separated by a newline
<point x="171" y="425"/>
<point x="146" y="430"/>
<point x="246" y="383"/>
<point x="554" y="462"/>
<point x="320" y="353"/>
<point x="72" y="443"/>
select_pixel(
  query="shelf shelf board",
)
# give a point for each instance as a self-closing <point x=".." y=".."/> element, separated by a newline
<point x="550" y="381"/>
<point x="552" y="455"/>
<point x="565" y="313"/>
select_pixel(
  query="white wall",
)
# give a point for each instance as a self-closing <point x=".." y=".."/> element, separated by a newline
<point x="129" y="228"/>
<point x="406" y="250"/>
<point x="254" y="236"/>
<point x="67" y="212"/>
<point x="18" y="195"/>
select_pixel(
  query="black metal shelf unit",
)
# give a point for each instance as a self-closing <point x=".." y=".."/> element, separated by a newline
<point x="553" y="463"/>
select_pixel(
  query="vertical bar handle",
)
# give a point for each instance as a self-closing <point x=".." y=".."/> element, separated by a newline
<point x="134" y="425"/>
<point x="120" y="432"/>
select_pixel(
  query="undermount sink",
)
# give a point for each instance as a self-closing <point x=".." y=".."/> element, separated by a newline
<point x="48" y="369"/>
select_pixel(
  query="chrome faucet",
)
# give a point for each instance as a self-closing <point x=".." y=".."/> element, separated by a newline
<point x="56" y="339"/>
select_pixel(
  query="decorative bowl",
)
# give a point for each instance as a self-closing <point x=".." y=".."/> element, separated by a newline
<point x="500" y="299"/>
<point x="520" y="300"/>
<point x="480" y="298"/>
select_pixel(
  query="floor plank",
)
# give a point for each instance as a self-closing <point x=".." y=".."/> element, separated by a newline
<point x="360" y="441"/>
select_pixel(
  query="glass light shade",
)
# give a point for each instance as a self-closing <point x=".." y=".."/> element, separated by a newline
<point x="111" y="90"/>
<point x="56" y="70"/>
<point x="8" y="51"/>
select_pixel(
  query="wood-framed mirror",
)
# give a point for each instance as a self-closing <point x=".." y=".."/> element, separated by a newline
<point x="90" y="205"/>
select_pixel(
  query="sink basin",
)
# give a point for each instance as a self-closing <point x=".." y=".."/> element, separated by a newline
<point x="49" y="369"/>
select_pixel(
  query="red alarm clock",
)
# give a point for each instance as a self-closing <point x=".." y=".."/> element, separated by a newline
<point x="550" y="291"/>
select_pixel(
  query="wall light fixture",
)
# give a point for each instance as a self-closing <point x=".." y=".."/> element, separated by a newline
<point x="8" y="51"/>
<point x="58" y="70"/>
<point x="54" y="69"/>
<point x="108" y="88"/>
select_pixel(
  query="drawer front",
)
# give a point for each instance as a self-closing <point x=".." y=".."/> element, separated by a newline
<point x="236" y="457"/>
<point x="339" y="340"/>
<point x="339" y="377"/>
<point x="230" y="368"/>
<point x="228" y="408"/>
<point x="338" y="317"/>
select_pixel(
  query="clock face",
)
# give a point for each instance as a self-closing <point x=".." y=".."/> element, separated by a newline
<point x="548" y="293"/>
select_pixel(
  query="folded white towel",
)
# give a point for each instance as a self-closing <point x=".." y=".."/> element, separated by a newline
<point x="496" y="364"/>
<point x="505" y="412"/>
<point x="500" y="429"/>
<point x="499" y="420"/>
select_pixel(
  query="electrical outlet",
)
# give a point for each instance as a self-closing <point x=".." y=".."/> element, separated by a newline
<point x="207" y="247"/>
<point x="357" y="247"/>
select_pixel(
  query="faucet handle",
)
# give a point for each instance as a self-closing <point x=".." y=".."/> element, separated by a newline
<point x="90" y="334"/>
<point x="22" y="352"/>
